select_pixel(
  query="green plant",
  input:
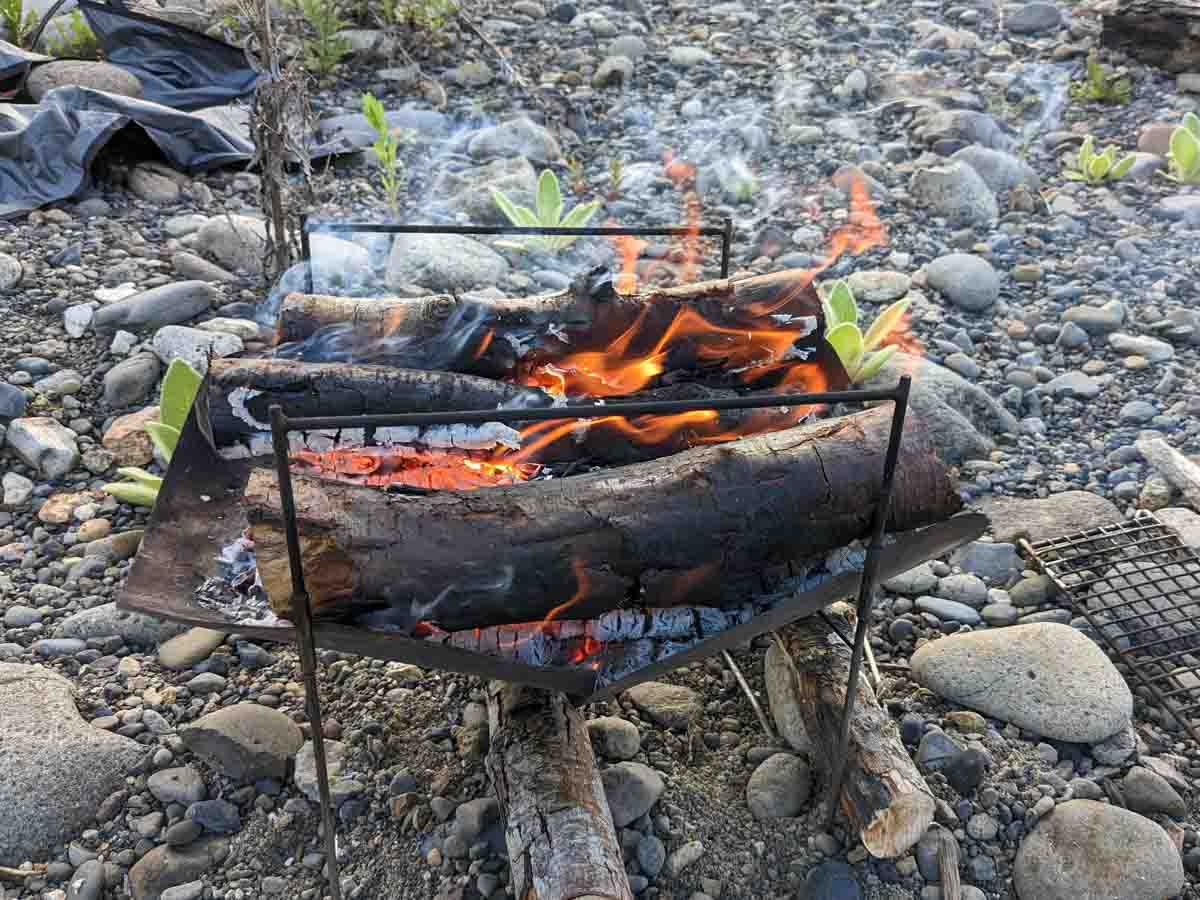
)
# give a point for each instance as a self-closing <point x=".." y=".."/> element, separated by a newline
<point x="616" y="176"/>
<point x="548" y="213"/>
<point x="325" y="49"/>
<point x="179" y="389"/>
<point x="78" y="43"/>
<point x="859" y="354"/>
<point x="1184" y="155"/>
<point x="17" y="23"/>
<point x="1101" y="86"/>
<point x="1097" y="168"/>
<point x="387" y="152"/>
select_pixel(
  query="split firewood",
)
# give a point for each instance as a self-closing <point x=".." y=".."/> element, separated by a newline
<point x="1181" y="473"/>
<point x="562" y="844"/>
<point x="698" y="528"/>
<point x="1163" y="33"/>
<point x="493" y="337"/>
<point x="884" y="796"/>
<point x="947" y="856"/>
<point x="241" y="391"/>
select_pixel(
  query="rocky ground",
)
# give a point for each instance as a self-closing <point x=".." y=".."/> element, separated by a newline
<point x="1059" y="323"/>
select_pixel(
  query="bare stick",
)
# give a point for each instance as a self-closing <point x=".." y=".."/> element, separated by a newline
<point x="948" y="864"/>
<point x="758" y="710"/>
<point x="1180" y="472"/>
<point x="22" y="874"/>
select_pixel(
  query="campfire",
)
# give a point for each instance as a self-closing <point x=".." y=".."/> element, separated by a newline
<point x="575" y="491"/>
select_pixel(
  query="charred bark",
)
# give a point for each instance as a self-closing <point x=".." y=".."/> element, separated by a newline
<point x="698" y="528"/>
<point x="240" y="392"/>
<point x="884" y="796"/>
<point x="562" y="844"/>
<point x="1163" y="33"/>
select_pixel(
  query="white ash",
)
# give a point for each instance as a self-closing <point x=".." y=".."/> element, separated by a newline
<point x="487" y="436"/>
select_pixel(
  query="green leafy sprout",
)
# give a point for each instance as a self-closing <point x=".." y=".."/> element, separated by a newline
<point x="548" y="213"/>
<point x="178" y="392"/>
<point x="1097" y="168"/>
<point x="18" y="24"/>
<point x="79" y="42"/>
<point x="387" y="152"/>
<point x="1101" y="86"/>
<point x="325" y="49"/>
<point x="1184" y="154"/>
<point x="860" y="355"/>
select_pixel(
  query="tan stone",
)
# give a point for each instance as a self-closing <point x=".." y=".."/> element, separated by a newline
<point x="1156" y="138"/>
<point x="60" y="507"/>
<point x="127" y="438"/>
<point x="94" y="529"/>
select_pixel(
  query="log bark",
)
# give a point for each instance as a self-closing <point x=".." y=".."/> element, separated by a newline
<point x="1179" y="471"/>
<point x="698" y="528"/>
<point x="884" y="796"/>
<point x="1163" y="33"/>
<point x="947" y="856"/>
<point x="490" y="338"/>
<point x="562" y="844"/>
<point x="239" y="392"/>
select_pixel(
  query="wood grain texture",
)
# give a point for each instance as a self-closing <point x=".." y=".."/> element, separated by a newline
<point x="1163" y="33"/>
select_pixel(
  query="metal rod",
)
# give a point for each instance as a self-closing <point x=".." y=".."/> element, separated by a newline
<point x="595" y="231"/>
<point x="866" y="590"/>
<point x="726" y="246"/>
<point x="754" y="704"/>
<point x="302" y="619"/>
<point x="584" y="410"/>
<point x="306" y="253"/>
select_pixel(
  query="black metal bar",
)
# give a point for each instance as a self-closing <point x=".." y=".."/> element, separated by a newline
<point x="595" y="231"/>
<point x="302" y="619"/>
<point x="726" y="246"/>
<point x="306" y="253"/>
<point x="586" y="410"/>
<point x="866" y="591"/>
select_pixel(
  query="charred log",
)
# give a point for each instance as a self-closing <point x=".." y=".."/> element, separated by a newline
<point x="562" y="844"/>
<point x="1163" y="33"/>
<point x="240" y="392"/>
<point x="885" y="798"/>
<point x="698" y="528"/>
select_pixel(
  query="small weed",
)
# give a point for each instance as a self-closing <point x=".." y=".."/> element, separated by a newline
<point x="79" y="41"/>
<point x="616" y="177"/>
<point x="325" y="49"/>
<point x="387" y="152"/>
<point x="548" y="213"/>
<point x="860" y="355"/>
<point x="1097" y="168"/>
<point x="1184" y="155"/>
<point x="1101" y="86"/>
<point x="18" y="24"/>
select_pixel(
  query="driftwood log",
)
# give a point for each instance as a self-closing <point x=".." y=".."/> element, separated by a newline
<point x="1163" y="33"/>
<point x="562" y="844"/>
<point x="492" y="337"/>
<point x="884" y="796"/>
<point x="698" y="528"/>
<point x="1180" y="472"/>
<point x="240" y="392"/>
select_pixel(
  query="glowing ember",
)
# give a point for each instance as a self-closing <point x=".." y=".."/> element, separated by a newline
<point x="589" y="648"/>
<point x="440" y="470"/>
<point x="581" y="590"/>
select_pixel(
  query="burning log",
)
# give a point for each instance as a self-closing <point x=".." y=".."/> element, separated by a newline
<point x="885" y="798"/>
<point x="241" y="391"/>
<point x="698" y="528"/>
<point x="747" y="321"/>
<point x="561" y="841"/>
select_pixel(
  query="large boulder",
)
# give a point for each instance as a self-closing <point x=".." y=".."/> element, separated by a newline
<point x="245" y="742"/>
<point x="1047" y="678"/>
<point x="1037" y="519"/>
<point x="99" y="76"/>
<point x="443" y="262"/>
<point x="55" y="768"/>
<point x="107" y="620"/>
<point x="1086" y="850"/>
<point x="962" y="418"/>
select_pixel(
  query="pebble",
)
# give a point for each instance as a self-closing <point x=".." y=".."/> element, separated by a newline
<point x="967" y="281"/>
<point x="949" y="610"/>
<point x="686" y="856"/>
<point x="779" y="787"/>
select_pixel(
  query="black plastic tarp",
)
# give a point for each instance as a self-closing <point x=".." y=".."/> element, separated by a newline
<point x="46" y="150"/>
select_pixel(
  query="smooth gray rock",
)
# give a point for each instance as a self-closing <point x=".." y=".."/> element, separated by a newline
<point x="613" y="72"/>
<point x="245" y="742"/>
<point x="948" y="610"/>
<point x="954" y="192"/>
<point x="1146" y="791"/>
<point x="166" y="867"/>
<point x="651" y="855"/>
<point x="470" y="190"/>
<point x="98" y="76"/>
<point x="185" y="650"/>
<point x="1116" y="749"/>
<point x="962" y="418"/>
<point x="106" y="620"/>
<point x="1032" y="18"/>
<point x="618" y="738"/>
<point x="305" y="776"/>
<point x="17" y="490"/>
<point x="1097" y="321"/>
<point x="193" y="266"/>
<point x="53" y="648"/>
<point x="1046" y="678"/>
<point x="1086" y="850"/>
<point x="783" y="697"/>
<point x="57" y="769"/>
<point x="11" y="272"/>
<point x="1032" y="591"/>
<point x="1185" y="521"/>
<point x="517" y="137"/>
<point x="168" y="304"/>
<point x="968" y="281"/>
<point x="182" y="785"/>
<point x="193" y="346"/>
<point x="474" y="816"/>
<point x="132" y="380"/>
<point x="996" y="562"/>
<point x="217" y="816"/>
<point x="443" y="262"/>
<point x="44" y="443"/>
<point x="62" y="383"/>
<point x="669" y="705"/>
<point x="1000" y="171"/>
<point x="1049" y="517"/>
<point x="779" y="787"/>
<point x="191" y="890"/>
<point x="1074" y="384"/>
<point x="1151" y="348"/>
<point x="919" y="580"/>
<point x="967" y="589"/>
<point x="632" y="789"/>
<point x="88" y="881"/>
<point x="236" y="242"/>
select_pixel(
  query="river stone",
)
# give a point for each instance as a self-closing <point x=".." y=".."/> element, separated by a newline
<point x="470" y="190"/>
<point x="165" y="866"/>
<point x="1046" y="678"/>
<point x="99" y="76"/>
<point x="11" y="272"/>
<point x="44" y="443"/>
<point x="1013" y="518"/>
<point x="918" y="580"/>
<point x="518" y="137"/>
<point x="1146" y="791"/>
<point x="831" y="881"/>
<point x="1085" y="850"/>
<point x="237" y="242"/>
<point x="1184" y="521"/>
<point x="182" y="785"/>
<point x="336" y="262"/>
<point x="618" y="738"/>
<point x="57" y="769"/>
<point x="783" y="696"/>
<point x="1032" y="18"/>
<point x="305" y="776"/>
<point x="193" y="346"/>
<point x="954" y="192"/>
<point x="107" y="620"/>
<point x="245" y="742"/>
<point x="632" y="789"/>
<point x="966" y="280"/>
<point x="962" y="418"/>
<point x="131" y="380"/>
<point x="1000" y="171"/>
<point x="669" y="705"/>
<point x="1137" y="345"/>
<point x="996" y="562"/>
<point x="185" y="650"/>
<point x="779" y="787"/>
<point x="443" y="262"/>
<point x="168" y="304"/>
<point x="948" y="610"/>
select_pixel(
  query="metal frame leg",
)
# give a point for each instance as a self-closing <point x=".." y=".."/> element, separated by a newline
<point x="302" y="619"/>
<point x="866" y="592"/>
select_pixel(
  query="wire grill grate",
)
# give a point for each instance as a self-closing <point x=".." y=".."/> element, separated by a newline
<point x="1138" y="585"/>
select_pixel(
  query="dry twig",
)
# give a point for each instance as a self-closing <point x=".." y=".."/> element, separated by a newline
<point x="758" y="710"/>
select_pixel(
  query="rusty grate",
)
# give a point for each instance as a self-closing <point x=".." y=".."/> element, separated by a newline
<point x="1138" y="585"/>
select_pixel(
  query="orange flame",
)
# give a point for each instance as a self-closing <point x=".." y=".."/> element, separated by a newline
<point x="582" y="586"/>
<point x="440" y="470"/>
<point x="589" y="648"/>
